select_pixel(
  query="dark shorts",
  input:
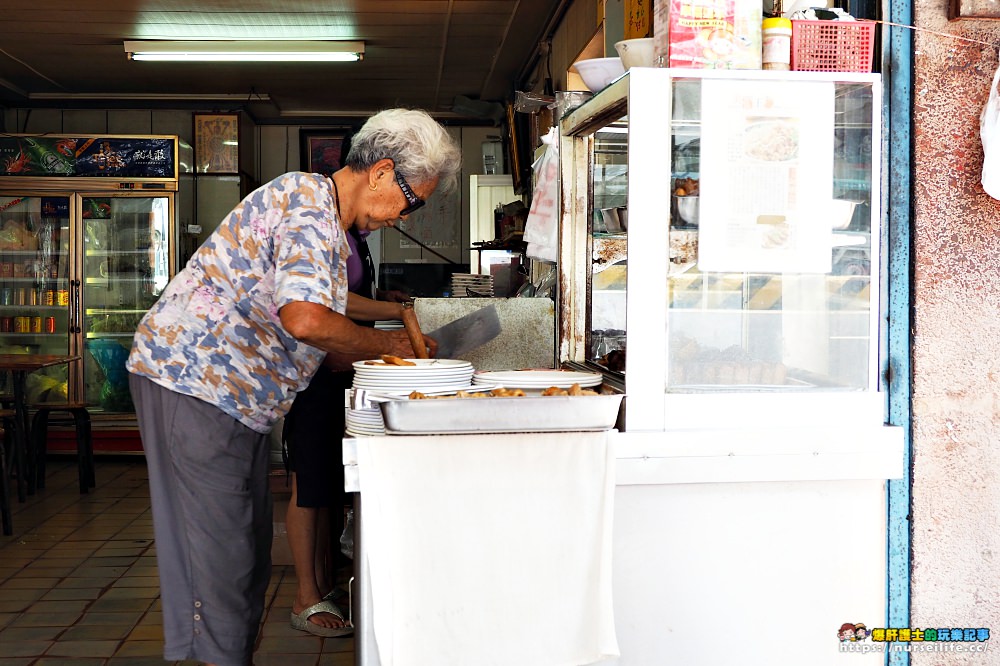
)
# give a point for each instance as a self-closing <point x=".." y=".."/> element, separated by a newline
<point x="313" y="433"/>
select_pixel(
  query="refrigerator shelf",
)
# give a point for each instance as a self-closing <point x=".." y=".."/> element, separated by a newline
<point x="102" y="281"/>
<point x="10" y="336"/>
<point x="116" y="253"/>
<point x="25" y="306"/>
<point x="31" y="253"/>
<point x="114" y="311"/>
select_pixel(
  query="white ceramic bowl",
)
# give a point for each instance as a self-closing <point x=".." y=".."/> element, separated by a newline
<point x="636" y="52"/>
<point x="599" y="72"/>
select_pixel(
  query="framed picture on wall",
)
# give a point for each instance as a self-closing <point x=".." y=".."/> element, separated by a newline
<point x="217" y="142"/>
<point x="322" y="151"/>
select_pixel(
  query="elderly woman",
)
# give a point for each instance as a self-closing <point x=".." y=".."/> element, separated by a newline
<point x="221" y="355"/>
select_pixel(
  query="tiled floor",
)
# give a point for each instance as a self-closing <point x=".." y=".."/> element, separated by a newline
<point x="78" y="583"/>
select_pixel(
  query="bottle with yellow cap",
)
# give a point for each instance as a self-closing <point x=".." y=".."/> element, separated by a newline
<point x="777" y="43"/>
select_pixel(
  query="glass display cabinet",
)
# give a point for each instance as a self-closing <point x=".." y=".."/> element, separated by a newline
<point x="125" y="267"/>
<point x="720" y="246"/>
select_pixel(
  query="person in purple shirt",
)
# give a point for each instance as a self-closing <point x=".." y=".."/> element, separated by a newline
<point x="220" y="357"/>
<point x="313" y="441"/>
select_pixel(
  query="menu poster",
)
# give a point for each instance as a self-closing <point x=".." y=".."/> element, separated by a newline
<point x="766" y="169"/>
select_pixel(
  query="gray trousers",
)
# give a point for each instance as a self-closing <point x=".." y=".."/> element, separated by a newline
<point x="212" y="519"/>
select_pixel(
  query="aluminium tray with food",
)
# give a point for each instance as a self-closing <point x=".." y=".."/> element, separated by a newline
<point x="530" y="413"/>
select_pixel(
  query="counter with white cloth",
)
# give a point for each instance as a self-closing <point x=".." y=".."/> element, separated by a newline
<point x="484" y="549"/>
<point x="712" y="529"/>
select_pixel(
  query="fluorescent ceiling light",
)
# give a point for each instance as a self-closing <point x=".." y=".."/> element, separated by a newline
<point x="275" y="50"/>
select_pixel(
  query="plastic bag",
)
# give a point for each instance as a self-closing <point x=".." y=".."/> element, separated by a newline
<point x="541" y="231"/>
<point x="989" y="133"/>
<point x="347" y="536"/>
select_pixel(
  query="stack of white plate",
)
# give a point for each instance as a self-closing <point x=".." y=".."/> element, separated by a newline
<point x="537" y="380"/>
<point x="364" y="422"/>
<point x="463" y="283"/>
<point x="428" y="375"/>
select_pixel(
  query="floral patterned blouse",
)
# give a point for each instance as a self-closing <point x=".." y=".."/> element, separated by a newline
<point x="215" y="333"/>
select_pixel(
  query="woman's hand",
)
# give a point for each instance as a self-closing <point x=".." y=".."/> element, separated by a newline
<point x="401" y="345"/>
<point x="393" y="296"/>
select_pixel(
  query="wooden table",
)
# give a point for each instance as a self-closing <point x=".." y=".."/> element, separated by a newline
<point x="19" y="366"/>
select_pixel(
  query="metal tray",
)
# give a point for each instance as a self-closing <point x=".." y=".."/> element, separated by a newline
<point x="490" y="415"/>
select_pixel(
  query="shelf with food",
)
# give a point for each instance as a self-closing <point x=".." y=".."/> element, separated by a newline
<point x="30" y="279"/>
<point x="607" y="251"/>
<point x="33" y="306"/>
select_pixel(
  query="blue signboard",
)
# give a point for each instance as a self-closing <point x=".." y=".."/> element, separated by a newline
<point x="111" y="157"/>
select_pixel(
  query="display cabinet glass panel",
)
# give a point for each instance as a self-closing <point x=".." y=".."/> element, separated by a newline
<point x="125" y="269"/>
<point x="34" y="287"/>
<point x="721" y="233"/>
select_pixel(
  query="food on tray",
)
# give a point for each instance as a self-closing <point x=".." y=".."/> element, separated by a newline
<point x="686" y="187"/>
<point x="573" y="390"/>
<point x="504" y="393"/>
<point x="417" y="395"/>
<point x="507" y="393"/>
<point x="614" y="360"/>
<point x="389" y="359"/>
<point x="692" y="363"/>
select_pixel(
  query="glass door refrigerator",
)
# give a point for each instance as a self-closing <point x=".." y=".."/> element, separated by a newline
<point x="87" y="244"/>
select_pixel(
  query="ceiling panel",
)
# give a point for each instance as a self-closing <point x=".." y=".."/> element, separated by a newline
<point x="418" y="52"/>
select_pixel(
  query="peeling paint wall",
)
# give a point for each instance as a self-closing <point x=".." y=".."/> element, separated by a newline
<point x="956" y="339"/>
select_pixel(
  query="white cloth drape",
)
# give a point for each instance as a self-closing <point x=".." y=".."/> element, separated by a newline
<point x="489" y="549"/>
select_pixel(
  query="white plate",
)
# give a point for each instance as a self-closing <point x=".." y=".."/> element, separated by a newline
<point x="422" y="365"/>
<point x="415" y="376"/>
<point x="370" y="382"/>
<point x="354" y="420"/>
<point x="524" y="379"/>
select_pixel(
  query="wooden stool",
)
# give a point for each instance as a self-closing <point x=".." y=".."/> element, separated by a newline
<point x="84" y="440"/>
<point x="7" y="451"/>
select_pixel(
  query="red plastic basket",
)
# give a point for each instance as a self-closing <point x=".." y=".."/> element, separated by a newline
<point x="833" y="46"/>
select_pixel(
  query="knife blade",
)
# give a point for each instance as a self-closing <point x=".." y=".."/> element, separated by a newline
<point x="467" y="333"/>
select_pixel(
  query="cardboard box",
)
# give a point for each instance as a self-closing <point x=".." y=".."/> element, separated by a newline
<point x="715" y="34"/>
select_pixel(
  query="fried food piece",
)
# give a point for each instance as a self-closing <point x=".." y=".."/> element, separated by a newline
<point x="389" y="359"/>
<point x="576" y="390"/>
<point x="506" y="393"/>
<point x="417" y="395"/>
<point x="555" y="390"/>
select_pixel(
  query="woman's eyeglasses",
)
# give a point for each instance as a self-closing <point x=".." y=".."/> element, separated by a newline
<point x="414" y="202"/>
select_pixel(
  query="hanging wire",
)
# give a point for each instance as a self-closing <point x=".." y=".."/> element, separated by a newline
<point x="936" y="32"/>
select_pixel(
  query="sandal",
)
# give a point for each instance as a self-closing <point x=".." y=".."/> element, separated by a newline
<point x="301" y="621"/>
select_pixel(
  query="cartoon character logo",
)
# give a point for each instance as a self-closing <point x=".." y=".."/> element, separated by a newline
<point x="846" y="633"/>
<point x="861" y="632"/>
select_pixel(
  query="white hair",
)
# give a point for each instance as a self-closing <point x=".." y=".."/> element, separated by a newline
<point x="419" y="147"/>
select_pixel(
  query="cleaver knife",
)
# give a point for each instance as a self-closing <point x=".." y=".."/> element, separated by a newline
<point x="466" y="333"/>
